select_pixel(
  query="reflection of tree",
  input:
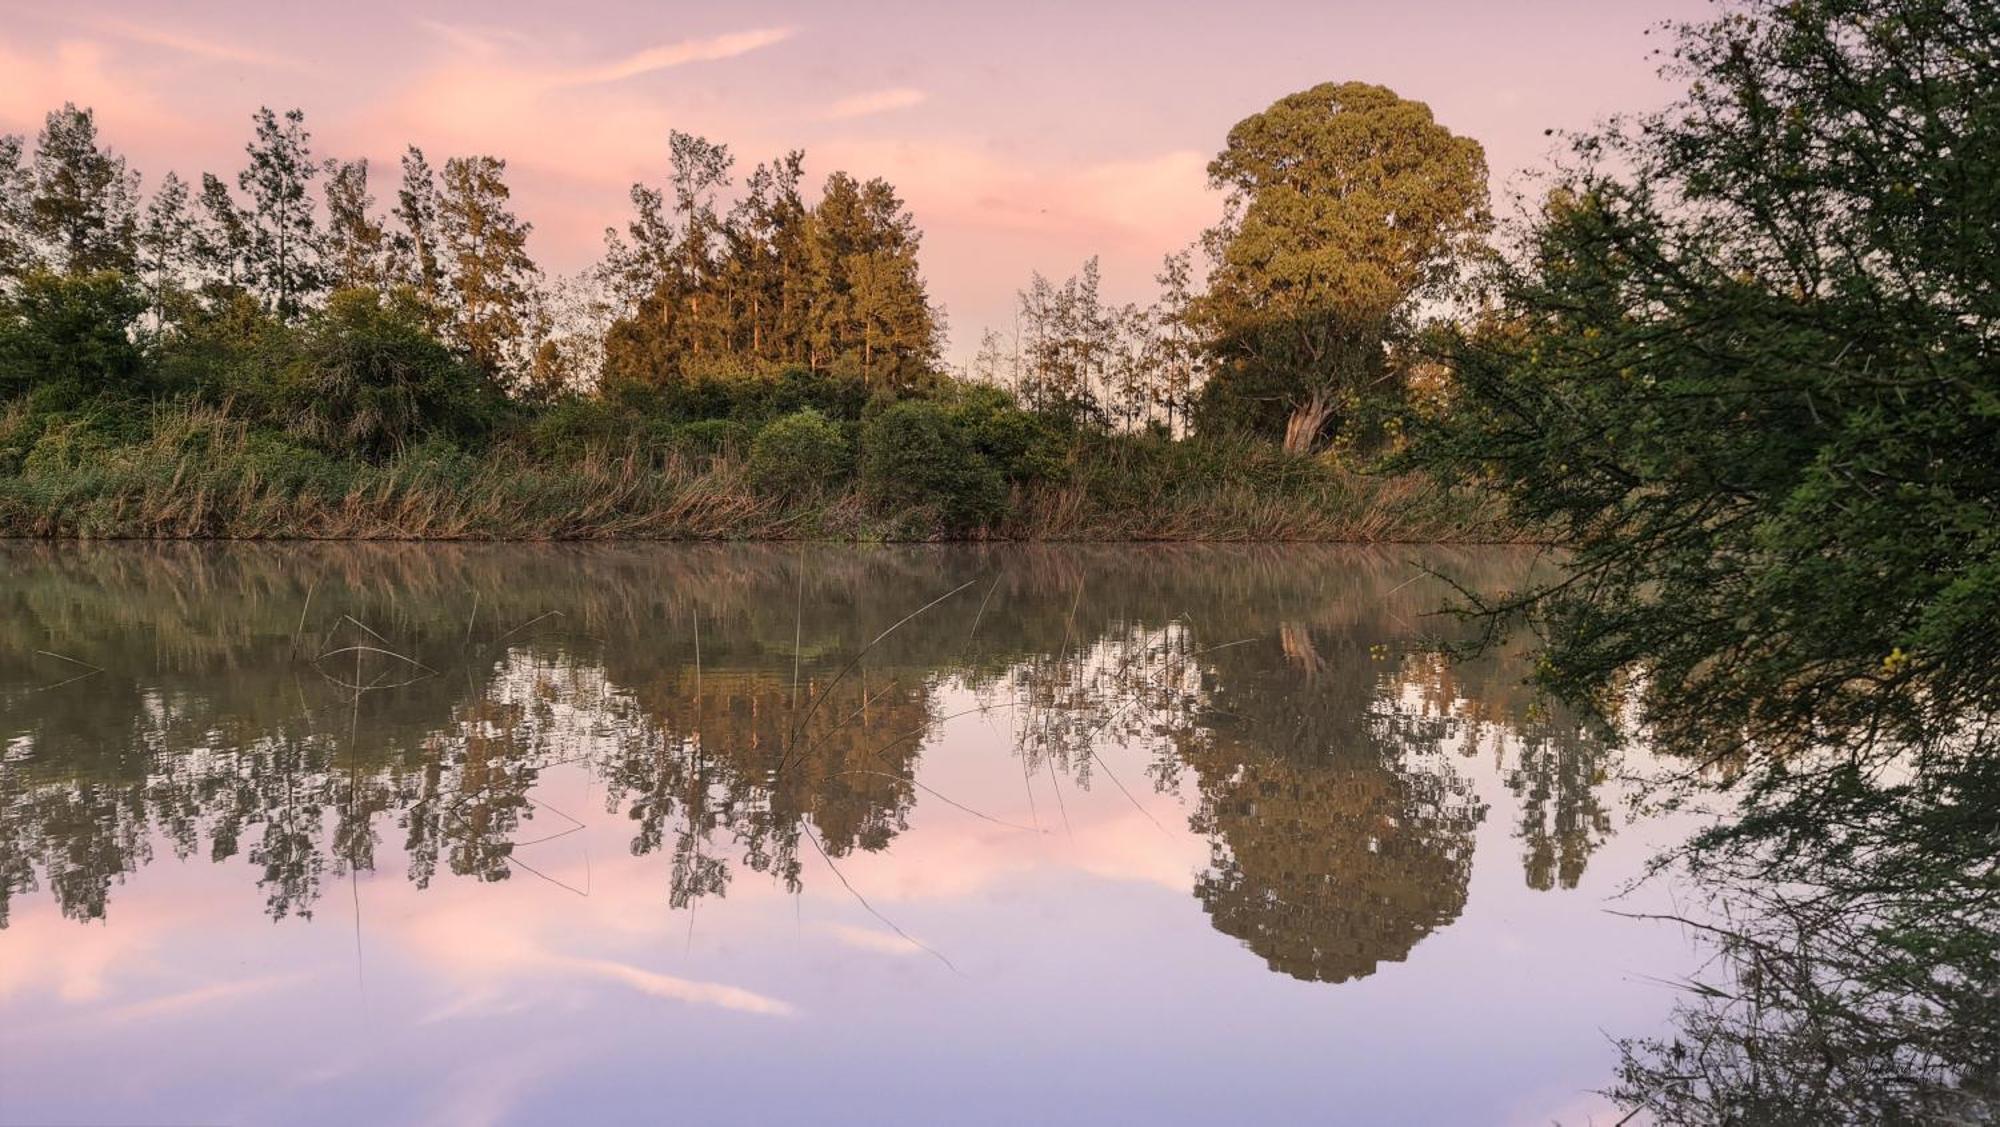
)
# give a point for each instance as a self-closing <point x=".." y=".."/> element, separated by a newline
<point x="1328" y="870"/>
<point x="1341" y="836"/>
<point x="1857" y="977"/>
<point x="1283" y="688"/>
<point x="1553" y="765"/>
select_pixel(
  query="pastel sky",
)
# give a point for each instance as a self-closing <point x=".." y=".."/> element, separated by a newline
<point x="1025" y="136"/>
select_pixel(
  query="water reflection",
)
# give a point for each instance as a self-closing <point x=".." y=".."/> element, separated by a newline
<point x="325" y="711"/>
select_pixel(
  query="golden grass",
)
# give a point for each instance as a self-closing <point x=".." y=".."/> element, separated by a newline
<point x="205" y="475"/>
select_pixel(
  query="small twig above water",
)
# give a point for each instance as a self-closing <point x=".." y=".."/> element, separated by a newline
<point x="791" y="744"/>
<point x="948" y="801"/>
<point x="912" y="940"/>
<point x="89" y="670"/>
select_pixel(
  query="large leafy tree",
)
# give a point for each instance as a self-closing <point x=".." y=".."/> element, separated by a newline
<point x="1347" y="207"/>
<point x="72" y="332"/>
<point x="1746" y="368"/>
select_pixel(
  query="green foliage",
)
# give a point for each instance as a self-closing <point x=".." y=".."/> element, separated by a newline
<point x="1024" y="447"/>
<point x="226" y="348"/>
<point x="369" y="378"/>
<point x="952" y="461"/>
<point x="755" y="395"/>
<point x="1348" y="205"/>
<point x="916" y="457"/>
<point x="708" y="438"/>
<point x="71" y="331"/>
<point x="1744" y="369"/>
<point x="578" y="425"/>
<point x="799" y="455"/>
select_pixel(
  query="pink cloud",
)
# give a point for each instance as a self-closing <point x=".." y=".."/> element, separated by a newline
<point x="874" y="102"/>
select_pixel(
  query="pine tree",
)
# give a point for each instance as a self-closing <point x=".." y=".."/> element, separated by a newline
<point x="16" y="190"/>
<point x="772" y="281"/>
<point x="1174" y="355"/>
<point x="222" y="236"/>
<point x="284" y="258"/>
<point x="870" y="306"/>
<point x="356" y="244"/>
<point x="492" y="277"/>
<point x="749" y="279"/>
<point x="166" y="245"/>
<point x="83" y="211"/>
<point x="416" y="251"/>
<point x="791" y="224"/>
<point x="635" y="270"/>
<point x="700" y="170"/>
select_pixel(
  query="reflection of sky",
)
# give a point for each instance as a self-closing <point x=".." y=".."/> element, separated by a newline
<point x="1089" y="986"/>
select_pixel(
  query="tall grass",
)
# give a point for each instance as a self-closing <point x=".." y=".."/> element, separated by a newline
<point x="198" y="473"/>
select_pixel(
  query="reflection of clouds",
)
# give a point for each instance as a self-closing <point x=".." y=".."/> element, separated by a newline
<point x="75" y="963"/>
<point x="489" y="1090"/>
<point x="100" y="974"/>
<point x="487" y="946"/>
<point x="680" y="989"/>
<point x="870" y="939"/>
<point x="170" y="1005"/>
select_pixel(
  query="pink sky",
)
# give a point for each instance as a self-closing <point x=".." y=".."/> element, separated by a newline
<point x="1025" y="136"/>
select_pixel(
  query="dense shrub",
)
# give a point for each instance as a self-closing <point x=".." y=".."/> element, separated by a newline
<point x="371" y="379"/>
<point x="1024" y="447"/>
<point x="753" y="395"/>
<point x="71" y="332"/>
<point x="799" y="454"/>
<point x="707" y="438"/>
<point x="916" y="458"/>
<point x="579" y="425"/>
<point x="227" y="347"/>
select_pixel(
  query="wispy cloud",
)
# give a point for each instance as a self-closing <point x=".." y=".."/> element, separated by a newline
<point x="652" y="59"/>
<point x="874" y="102"/>
<point x="200" y="47"/>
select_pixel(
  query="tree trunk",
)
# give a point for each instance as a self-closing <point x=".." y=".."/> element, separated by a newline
<point x="1308" y="419"/>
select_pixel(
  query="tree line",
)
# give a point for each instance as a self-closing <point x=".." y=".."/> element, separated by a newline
<point x="1301" y="333"/>
<point x="687" y="285"/>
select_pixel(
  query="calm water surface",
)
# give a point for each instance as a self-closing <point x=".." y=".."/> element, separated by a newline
<point x="372" y="833"/>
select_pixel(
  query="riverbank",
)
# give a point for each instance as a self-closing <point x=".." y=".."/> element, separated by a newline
<point x="200" y="473"/>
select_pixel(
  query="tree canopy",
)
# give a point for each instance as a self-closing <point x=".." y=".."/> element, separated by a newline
<point x="1347" y="206"/>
